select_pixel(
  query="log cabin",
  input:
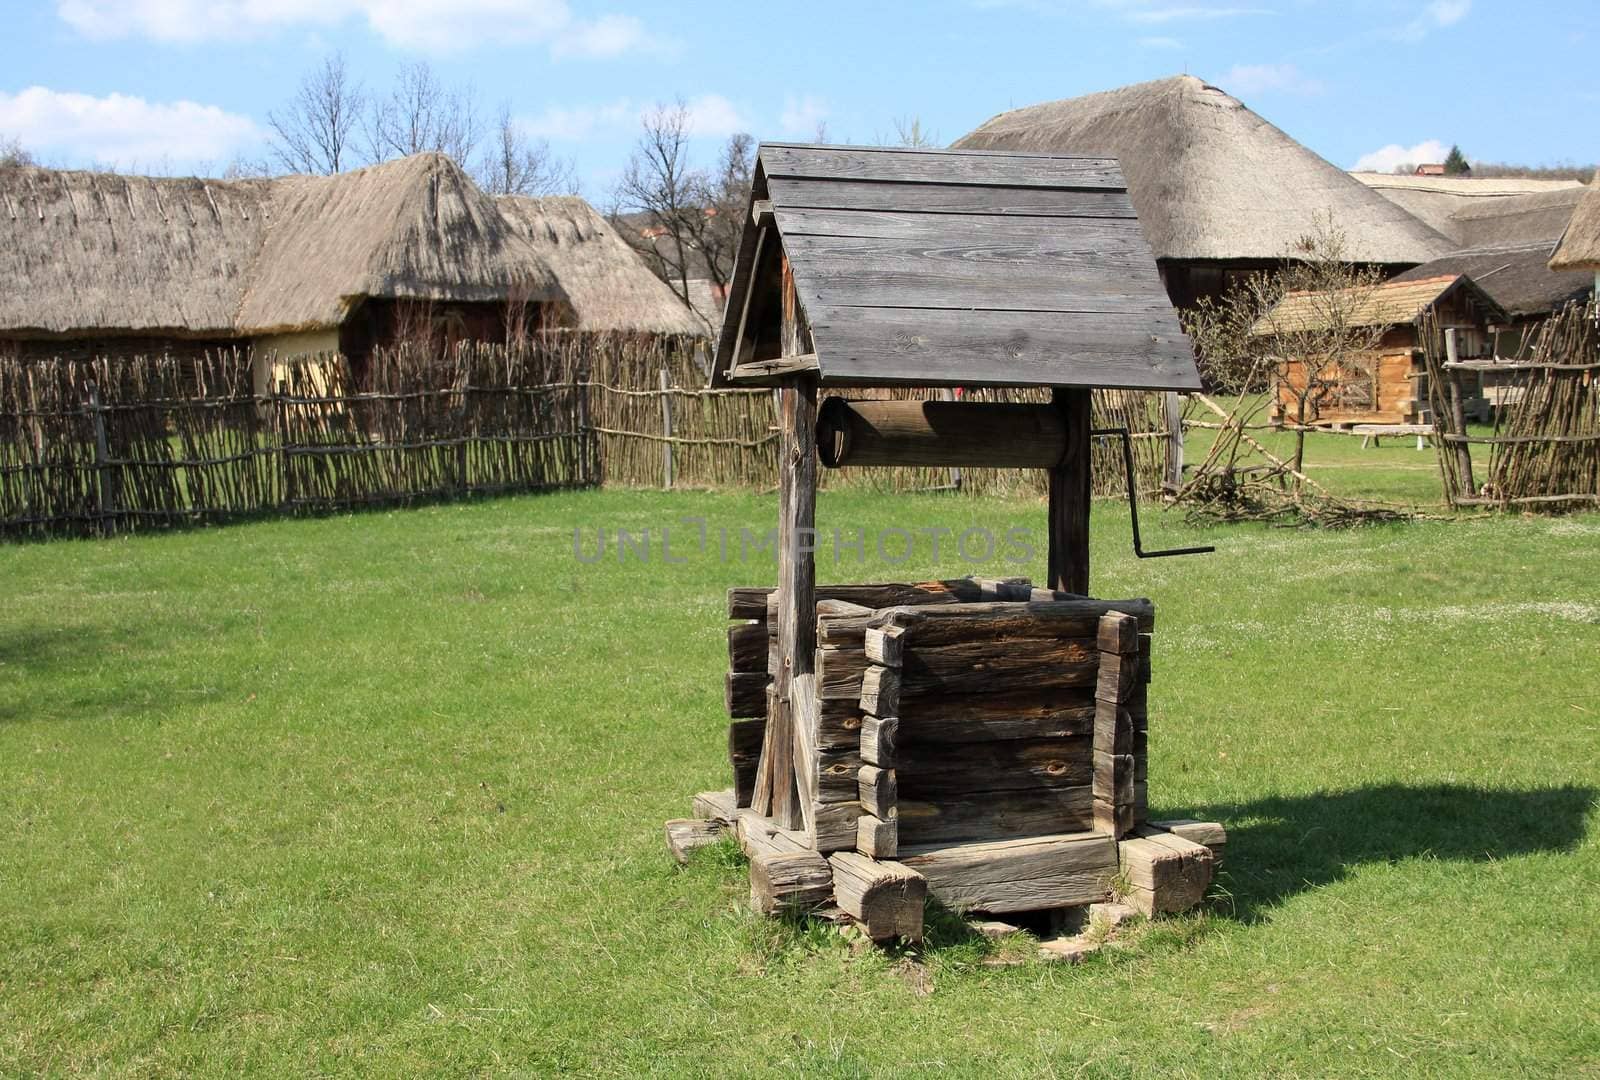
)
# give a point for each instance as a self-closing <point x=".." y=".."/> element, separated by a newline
<point x="1388" y="387"/>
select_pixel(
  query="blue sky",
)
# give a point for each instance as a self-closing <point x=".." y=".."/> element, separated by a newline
<point x="185" y="85"/>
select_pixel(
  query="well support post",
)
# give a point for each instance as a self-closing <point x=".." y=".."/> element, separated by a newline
<point x="1069" y="496"/>
<point x="777" y="792"/>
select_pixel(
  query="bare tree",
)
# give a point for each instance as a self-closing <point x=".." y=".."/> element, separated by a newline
<point x="724" y="198"/>
<point x="13" y="154"/>
<point x="312" y="133"/>
<point x="514" y="164"/>
<point x="909" y="132"/>
<point x="661" y="186"/>
<point x="1315" y="352"/>
<point x="422" y="115"/>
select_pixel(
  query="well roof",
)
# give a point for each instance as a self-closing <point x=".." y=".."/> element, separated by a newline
<point x="937" y="267"/>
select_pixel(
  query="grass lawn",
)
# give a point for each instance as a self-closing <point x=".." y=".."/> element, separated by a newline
<point x="1392" y="471"/>
<point x="383" y="795"/>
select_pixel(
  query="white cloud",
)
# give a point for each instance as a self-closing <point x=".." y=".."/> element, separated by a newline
<point x="1269" y="78"/>
<point x="122" y="130"/>
<point x="802" y="116"/>
<point x="715" y="116"/>
<point x="1160" y="43"/>
<point x="708" y="116"/>
<point x="1437" y="15"/>
<point x="431" y="25"/>
<point x="1387" y="158"/>
<point x="577" y="122"/>
<point x="1175" y="14"/>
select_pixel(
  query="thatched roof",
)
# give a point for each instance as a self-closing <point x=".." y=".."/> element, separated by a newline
<point x="607" y="284"/>
<point x="83" y="251"/>
<point x="87" y="253"/>
<point x="1482" y="211"/>
<point x="1394" y="303"/>
<point x="1519" y="279"/>
<point x="1211" y="179"/>
<point x="417" y="228"/>
<point x="1580" y="244"/>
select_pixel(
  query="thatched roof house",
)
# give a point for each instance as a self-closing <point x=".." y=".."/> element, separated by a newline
<point x="1482" y="211"/>
<point x="606" y="283"/>
<point x="1580" y="244"/>
<point x="1216" y="187"/>
<point x="88" y="257"/>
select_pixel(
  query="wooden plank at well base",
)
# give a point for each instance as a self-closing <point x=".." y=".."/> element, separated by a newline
<point x="884" y="897"/>
<point x="686" y="835"/>
<point x="1164" y="872"/>
<point x="1018" y="875"/>
<point x="1211" y="834"/>
<point x="796" y="881"/>
<point x="984" y="815"/>
<point x="760" y="835"/>
<point x="716" y="806"/>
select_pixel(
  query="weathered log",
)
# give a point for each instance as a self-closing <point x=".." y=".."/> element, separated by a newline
<point x="1010" y="714"/>
<point x="941" y="624"/>
<point x="687" y="835"/>
<point x="880" y="741"/>
<point x="1115" y="677"/>
<point x="795" y="882"/>
<point x="1030" y="874"/>
<point x="838" y="723"/>
<point x="1113" y="729"/>
<point x="747" y="647"/>
<point x="1113" y="778"/>
<point x="745" y="693"/>
<point x="886" y="898"/>
<point x="834" y="825"/>
<point x="988" y="814"/>
<point x="957" y="434"/>
<point x="877" y="837"/>
<point x="928" y="772"/>
<point x="877" y="790"/>
<point x="750" y="602"/>
<point x="880" y="691"/>
<point x="886" y="646"/>
<point x="1163" y="871"/>
<point x="744" y="753"/>
<point x="836" y="779"/>
<point x="1119" y="633"/>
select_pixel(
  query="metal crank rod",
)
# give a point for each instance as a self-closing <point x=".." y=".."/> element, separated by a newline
<point x="1133" y="499"/>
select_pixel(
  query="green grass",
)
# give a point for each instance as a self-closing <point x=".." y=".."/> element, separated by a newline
<point x="1393" y="471"/>
<point x="383" y="794"/>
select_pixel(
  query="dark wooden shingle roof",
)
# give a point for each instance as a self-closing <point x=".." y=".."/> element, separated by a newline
<point x="962" y="268"/>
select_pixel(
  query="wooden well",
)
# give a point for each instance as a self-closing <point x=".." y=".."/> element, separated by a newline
<point x="982" y="741"/>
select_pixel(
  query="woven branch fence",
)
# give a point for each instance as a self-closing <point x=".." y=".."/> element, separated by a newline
<point x="122" y="443"/>
<point x="1543" y="449"/>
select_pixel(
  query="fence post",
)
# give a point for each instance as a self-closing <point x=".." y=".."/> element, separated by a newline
<point x="1458" y="415"/>
<point x="102" y="456"/>
<point x="462" y="437"/>
<point x="666" y="431"/>
<point x="588" y="442"/>
<point x="948" y="393"/>
<point x="1173" y="405"/>
<point x="280" y="413"/>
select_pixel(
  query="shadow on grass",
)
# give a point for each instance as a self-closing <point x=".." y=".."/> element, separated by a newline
<point x="74" y="660"/>
<point x="1284" y="845"/>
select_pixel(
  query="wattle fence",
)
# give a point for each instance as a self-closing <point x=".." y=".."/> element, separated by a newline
<point x="115" y="444"/>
